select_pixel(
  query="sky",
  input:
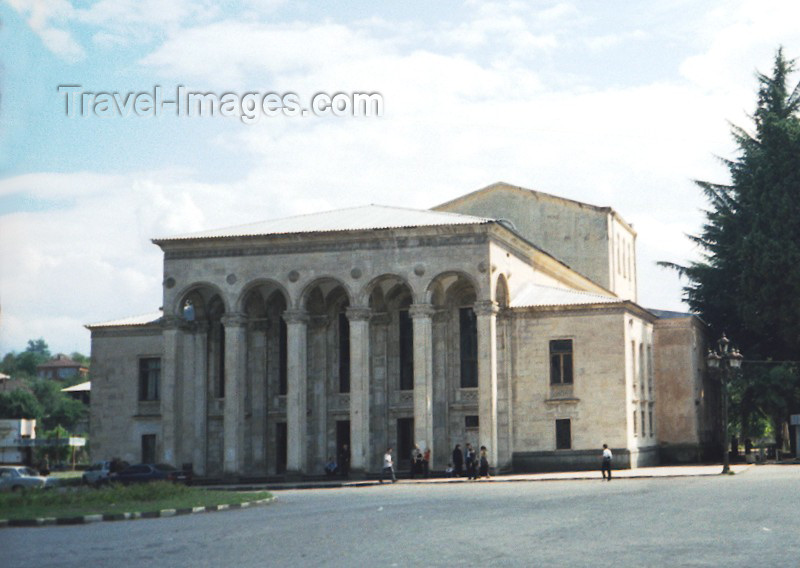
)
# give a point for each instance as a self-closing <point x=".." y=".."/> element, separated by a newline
<point x="617" y="105"/>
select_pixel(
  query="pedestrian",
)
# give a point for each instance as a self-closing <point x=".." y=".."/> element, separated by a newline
<point x="458" y="461"/>
<point x="469" y="461"/>
<point x="344" y="460"/>
<point x="606" y="467"/>
<point x="388" y="465"/>
<point x="484" y="463"/>
<point x="416" y="460"/>
<point x="426" y="462"/>
<point x="330" y="467"/>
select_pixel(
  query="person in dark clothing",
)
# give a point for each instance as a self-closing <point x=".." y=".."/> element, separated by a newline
<point x="484" y="463"/>
<point x="469" y="461"/>
<point x="458" y="461"/>
<point x="344" y="461"/>
<point x="606" y="467"/>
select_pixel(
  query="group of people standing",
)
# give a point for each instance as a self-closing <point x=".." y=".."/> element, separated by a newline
<point x="474" y="464"/>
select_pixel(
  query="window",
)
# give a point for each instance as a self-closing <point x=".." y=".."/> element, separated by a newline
<point x="644" y="425"/>
<point x="149" y="377"/>
<point x="651" y="422"/>
<point x="563" y="434"/>
<point x="468" y="326"/>
<point x="221" y="360"/>
<point x="344" y="353"/>
<point x="406" y="351"/>
<point x="635" y="431"/>
<point x="561" y="362"/>
<point x="149" y="448"/>
<point x="471" y="422"/>
<point x="283" y="368"/>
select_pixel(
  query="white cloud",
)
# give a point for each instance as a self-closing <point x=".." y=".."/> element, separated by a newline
<point x="49" y="20"/>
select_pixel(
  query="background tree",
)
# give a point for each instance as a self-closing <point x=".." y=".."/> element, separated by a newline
<point x="747" y="282"/>
<point x="19" y="403"/>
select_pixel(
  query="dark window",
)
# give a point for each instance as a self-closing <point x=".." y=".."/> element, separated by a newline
<point x="651" y="422"/>
<point x="406" y="351"/>
<point x="644" y="425"/>
<point x="634" y="424"/>
<point x="283" y="371"/>
<point x="149" y="448"/>
<point x="471" y="422"/>
<point x="563" y="434"/>
<point x="405" y="440"/>
<point x="281" y="447"/>
<point x="149" y="377"/>
<point x="468" y="326"/>
<point x="561" y="362"/>
<point x="344" y="353"/>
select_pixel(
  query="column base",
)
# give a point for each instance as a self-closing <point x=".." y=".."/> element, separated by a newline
<point x="293" y="475"/>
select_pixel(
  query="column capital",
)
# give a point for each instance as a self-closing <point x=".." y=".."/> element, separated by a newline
<point x="172" y="322"/>
<point x="295" y="316"/>
<point x="358" y="313"/>
<point x="421" y="311"/>
<point x="318" y="322"/>
<point x="486" y="308"/>
<point x="234" y="319"/>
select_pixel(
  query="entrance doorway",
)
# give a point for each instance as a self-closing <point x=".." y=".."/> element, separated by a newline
<point x="405" y="441"/>
<point x="281" y="447"/>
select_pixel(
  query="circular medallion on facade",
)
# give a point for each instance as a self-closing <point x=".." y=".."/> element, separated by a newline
<point x="294" y="276"/>
<point x="230" y="279"/>
<point x="169" y="282"/>
<point x="482" y="266"/>
<point x="355" y="273"/>
<point x="419" y="270"/>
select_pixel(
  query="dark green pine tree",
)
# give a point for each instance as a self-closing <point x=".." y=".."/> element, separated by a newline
<point x="748" y="281"/>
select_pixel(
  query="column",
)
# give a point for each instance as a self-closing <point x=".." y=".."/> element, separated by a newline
<point x="318" y="382"/>
<point x="422" y="317"/>
<point x="296" y="395"/>
<point x="486" y="312"/>
<point x="200" y="386"/>
<point x="235" y="369"/>
<point x="256" y="372"/>
<point x="170" y="371"/>
<point x="359" y="388"/>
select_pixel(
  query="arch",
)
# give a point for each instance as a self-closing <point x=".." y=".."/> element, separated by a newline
<point x="387" y="290"/>
<point x="266" y="287"/>
<point x="446" y="285"/>
<point x="501" y="295"/>
<point x="200" y="293"/>
<point x="325" y="284"/>
<point x="364" y="294"/>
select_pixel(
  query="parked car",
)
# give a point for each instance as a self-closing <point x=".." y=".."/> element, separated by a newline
<point x="16" y="478"/>
<point x="144" y="472"/>
<point x="97" y="474"/>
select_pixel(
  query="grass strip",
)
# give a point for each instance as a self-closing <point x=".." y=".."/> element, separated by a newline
<point x="114" y="501"/>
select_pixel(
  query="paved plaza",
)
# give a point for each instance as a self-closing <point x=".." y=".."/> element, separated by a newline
<point x="748" y="519"/>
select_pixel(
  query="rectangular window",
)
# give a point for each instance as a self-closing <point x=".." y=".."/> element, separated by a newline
<point x="149" y="377"/>
<point x="283" y="364"/>
<point x="561" y="362"/>
<point x="644" y="425"/>
<point x="344" y="353"/>
<point x="563" y="434"/>
<point x="471" y="422"/>
<point x="221" y="362"/>
<point x="406" y="332"/>
<point x="468" y="327"/>
<point x="651" y="423"/>
<point x="635" y="430"/>
<point x="149" y="448"/>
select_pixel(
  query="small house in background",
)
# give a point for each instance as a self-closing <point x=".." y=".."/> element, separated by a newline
<point x="60" y="368"/>
<point x="15" y="437"/>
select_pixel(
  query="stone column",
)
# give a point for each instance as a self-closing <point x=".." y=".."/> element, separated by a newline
<point x="318" y="381"/>
<point x="486" y="312"/>
<point x="422" y="317"/>
<point x="359" y="388"/>
<point x="170" y="372"/>
<point x="296" y="396"/>
<point x="256" y="372"/>
<point x="235" y="369"/>
<point x="200" y="386"/>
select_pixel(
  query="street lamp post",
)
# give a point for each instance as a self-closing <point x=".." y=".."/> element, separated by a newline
<point x="724" y="359"/>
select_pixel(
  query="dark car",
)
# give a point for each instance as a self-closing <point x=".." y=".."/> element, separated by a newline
<point x="144" y="472"/>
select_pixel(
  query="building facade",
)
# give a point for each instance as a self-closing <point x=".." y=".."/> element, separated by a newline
<point x="282" y="341"/>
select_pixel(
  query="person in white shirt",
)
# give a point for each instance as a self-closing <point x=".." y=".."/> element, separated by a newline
<point x="388" y="465"/>
<point x="606" y="468"/>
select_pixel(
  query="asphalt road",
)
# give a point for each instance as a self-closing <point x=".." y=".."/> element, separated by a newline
<point x="750" y="519"/>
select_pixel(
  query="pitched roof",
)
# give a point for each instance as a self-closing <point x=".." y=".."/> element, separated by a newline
<point x="367" y="217"/>
<point x="142" y="319"/>
<point x="537" y="295"/>
<point x="60" y="360"/>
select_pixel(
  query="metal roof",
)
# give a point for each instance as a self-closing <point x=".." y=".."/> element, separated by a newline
<point x="142" y="319"/>
<point x="351" y="219"/>
<point x="81" y="387"/>
<point x="537" y="295"/>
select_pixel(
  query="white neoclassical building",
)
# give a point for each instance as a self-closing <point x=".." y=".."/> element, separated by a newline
<point x="506" y="318"/>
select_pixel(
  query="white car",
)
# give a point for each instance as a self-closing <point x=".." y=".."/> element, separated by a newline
<point x="18" y="477"/>
<point x="97" y="474"/>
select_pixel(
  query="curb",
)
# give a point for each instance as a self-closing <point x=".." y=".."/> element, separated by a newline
<point x="163" y="513"/>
